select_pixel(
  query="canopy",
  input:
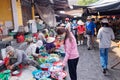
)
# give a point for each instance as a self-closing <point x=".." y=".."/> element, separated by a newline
<point x="104" y="7"/>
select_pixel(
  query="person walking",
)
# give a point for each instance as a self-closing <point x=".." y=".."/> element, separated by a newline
<point x="72" y="55"/>
<point x="90" y="32"/>
<point x="74" y="29"/>
<point x="105" y="35"/>
<point x="67" y="24"/>
<point x="80" y="30"/>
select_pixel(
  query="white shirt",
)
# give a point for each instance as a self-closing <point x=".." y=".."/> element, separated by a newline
<point x="31" y="50"/>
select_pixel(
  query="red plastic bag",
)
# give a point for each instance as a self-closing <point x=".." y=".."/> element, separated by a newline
<point x="6" y="61"/>
<point x="20" y="38"/>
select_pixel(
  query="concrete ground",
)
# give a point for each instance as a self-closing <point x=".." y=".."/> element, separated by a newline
<point x="89" y="65"/>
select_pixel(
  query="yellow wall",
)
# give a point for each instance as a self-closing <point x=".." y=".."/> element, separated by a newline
<point x="5" y="10"/>
<point x="20" y="20"/>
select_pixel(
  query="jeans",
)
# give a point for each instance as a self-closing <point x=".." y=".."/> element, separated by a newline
<point x="104" y="57"/>
<point x="72" y="66"/>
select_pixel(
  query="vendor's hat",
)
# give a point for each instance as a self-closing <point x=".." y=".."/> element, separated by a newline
<point x="9" y="49"/>
<point x="104" y="20"/>
<point x="80" y="22"/>
<point x="89" y="17"/>
<point x="50" y="39"/>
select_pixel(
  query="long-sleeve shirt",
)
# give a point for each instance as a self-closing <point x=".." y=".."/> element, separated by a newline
<point x="71" y="51"/>
<point x="105" y="34"/>
<point x="20" y="56"/>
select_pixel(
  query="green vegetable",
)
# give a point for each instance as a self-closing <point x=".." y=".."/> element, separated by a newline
<point x="41" y="60"/>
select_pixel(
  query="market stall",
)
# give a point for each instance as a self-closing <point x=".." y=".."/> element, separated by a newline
<point x="49" y="62"/>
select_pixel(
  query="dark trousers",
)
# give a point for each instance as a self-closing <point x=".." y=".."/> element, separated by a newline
<point x="72" y="66"/>
<point x="76" y="37"/>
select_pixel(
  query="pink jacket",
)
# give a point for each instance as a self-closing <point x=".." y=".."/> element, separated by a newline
<point x="70" y="49"/>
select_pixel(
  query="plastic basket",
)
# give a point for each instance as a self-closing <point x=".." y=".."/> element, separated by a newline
<point x="56" y="78"/>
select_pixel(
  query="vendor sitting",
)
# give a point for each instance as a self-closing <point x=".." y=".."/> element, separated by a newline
<point x="50" y="46"/>
<point x="33" y="48"/>
<point x="17" y="57"/>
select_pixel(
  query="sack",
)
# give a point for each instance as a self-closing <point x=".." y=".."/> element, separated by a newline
<point x="88" y="32"/>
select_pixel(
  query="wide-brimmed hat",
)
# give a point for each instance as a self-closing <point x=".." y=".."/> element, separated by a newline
<point x="104" y="20"/>
<point x="80" y="22"/>
<point x="50" y="39"/>
<point x="9" y="49"/>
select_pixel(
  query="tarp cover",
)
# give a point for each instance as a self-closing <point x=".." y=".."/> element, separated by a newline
<point x="107" y="7"/>
<point x="47" y="14"/>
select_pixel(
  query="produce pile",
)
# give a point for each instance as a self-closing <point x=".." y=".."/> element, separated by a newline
<point x="51" y="68"/>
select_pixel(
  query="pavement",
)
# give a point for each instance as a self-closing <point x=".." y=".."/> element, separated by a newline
<point x="89" y="67"/>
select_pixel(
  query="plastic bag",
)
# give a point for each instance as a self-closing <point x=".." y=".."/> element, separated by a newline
<point x="5" y="75"/>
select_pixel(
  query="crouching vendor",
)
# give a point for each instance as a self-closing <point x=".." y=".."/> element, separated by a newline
<point x="50" y="46"/>
<point x="18" y="57"/>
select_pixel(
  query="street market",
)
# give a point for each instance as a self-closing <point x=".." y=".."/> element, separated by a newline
<point x="59" y="40"/>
